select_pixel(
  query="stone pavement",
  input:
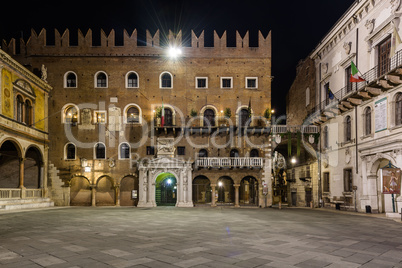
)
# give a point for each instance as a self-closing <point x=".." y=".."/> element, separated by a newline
<point x="197" y="237"/>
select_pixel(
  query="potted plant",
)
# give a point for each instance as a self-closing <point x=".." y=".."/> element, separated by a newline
<point x="193" y="114"/>
<point x="158" y="115"/>
<point x="227" y="113"/>
<point x="267" y="116"/>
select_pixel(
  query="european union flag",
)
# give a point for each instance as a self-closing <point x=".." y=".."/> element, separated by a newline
<point x="331" y="95"/>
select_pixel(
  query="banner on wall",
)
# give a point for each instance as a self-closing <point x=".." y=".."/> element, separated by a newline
<point x="391" y="180"/>
<point x="380" y="112"/>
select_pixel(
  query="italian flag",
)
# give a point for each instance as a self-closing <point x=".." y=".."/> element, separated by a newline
<point x="354" y="77"/>
<point x="163" y="115"/>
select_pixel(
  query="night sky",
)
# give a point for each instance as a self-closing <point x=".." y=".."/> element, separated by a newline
<point x="297" y="26"/>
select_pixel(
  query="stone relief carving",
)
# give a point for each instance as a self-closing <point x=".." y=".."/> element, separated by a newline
<point x="348" y="157"/>
<point x="278" y="138"/>
<point x="347" y="46"/>
<point x="114" y="119"/>
<point x="395" y="6"/>
<point x="86" y="116"/>
<point x="325" y="68"/>
<point x="165" y="146"/>
<point x="370" y="25"/>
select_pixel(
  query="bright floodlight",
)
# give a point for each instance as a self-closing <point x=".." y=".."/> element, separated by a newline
<point x="220" y="184"/>
<point x="293" y="160"/>
<point x="174" y="52"/>
<point x="169" y="181"/>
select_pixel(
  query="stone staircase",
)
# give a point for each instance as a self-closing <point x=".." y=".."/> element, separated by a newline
<point x="17" y="204"/>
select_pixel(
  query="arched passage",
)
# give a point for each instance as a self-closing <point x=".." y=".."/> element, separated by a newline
<point x="105" y="192"/>
<point x="80" y="192"/>
<point x="202" y="191"/>
<point x="129" y="191"/>
<point x="166" y="190"/>
<point x="225" y="190"/>
<point x="33" y="168"/>
<point x="384" y="201"/>
<point x="9" y="165"/>
<point x="248" y="192"/>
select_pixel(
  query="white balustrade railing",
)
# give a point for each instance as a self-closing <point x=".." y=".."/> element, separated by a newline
<point x="18" y="193"/>
<point x="221" y="162"/>
<point x="308" y="129"/>
<point x="10" y="193"/>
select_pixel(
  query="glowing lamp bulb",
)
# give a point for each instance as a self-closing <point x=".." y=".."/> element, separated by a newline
<point x="220" y="184"/>
<point x="169" y="181"/>
<point x="293" y="160"/>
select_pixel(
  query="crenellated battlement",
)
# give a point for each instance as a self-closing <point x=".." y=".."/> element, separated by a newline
<point x="37" y="45"/>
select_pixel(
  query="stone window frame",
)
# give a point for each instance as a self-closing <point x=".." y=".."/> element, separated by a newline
<point x="202" y="111"/>
<point x="65" y="79"/>
<point x="160" y="80"/>
<point x="129" y="148"/>
<point x="231" y="82"/>
<point x="348" y="129"/>
<point x="366" y="120"/>
<point x="95" y="120"/>
<point x="63" y="113"/>
<point x="126" y="108"/>
<point x="201" y="77"/>
<point x="307" y="96"/>
<point x="138" y="79"/>
<point x="66" y="152"/>
<point x="96" y="79"/>
<point x="251" y="78"/>
<point x="95" y="155"/>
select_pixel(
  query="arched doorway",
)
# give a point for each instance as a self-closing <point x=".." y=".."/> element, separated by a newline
<point x="166" y="190"/>
<point x="9" y="165"/>
<point x="384" y="201"/>
<point x="202" y="192"/>
<point x="244" y="118"/>
<point x="80" y="192"/>
<point x="248" y="194"/>
<point x="225" y="190"/>
<point x="209" y="118"/>
<point x="105" y="192"/>
<point x="32" y="168"/>
<point x="129" y="191"/>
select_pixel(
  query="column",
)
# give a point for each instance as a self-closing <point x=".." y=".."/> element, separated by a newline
<point x="237" y="186"/>
<point x="213" y="203"/>
<point x="22" y="160"/>
<point x="117" y="193"/>
<point x="93" y="192"/>
<point x="372" y="192"/>
<point x="21" y="186"/>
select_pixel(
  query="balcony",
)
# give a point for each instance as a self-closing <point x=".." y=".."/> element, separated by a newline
<point x="229" y="162"/>
<point x="378" y="79"/>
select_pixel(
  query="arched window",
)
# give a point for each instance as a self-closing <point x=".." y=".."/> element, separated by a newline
<point x="326" y="137"/>
<point x="20" y="108"/>
<point x="367" y="121"/>
<point x="124" y="151"/>
<point x="100" y="151"/>
<point x="132" y="80"/>
<point x="348" y="129"/>
<point x="71" y="80"/>
<point x="133" y="115"/>
<point x="209" y="118"/>
<point x="70" y="151"/>
<point x="166" y="80"/>
<point x="254" y="153"/>
<point x="203" y="153"/>
<point x="101" y="80"/>
<point x="234" y="153"/>
<point x="70" y="115"/>
<point x="244" y="118"/>
<point x="398" y="110"/>
<point x="28" y="113"/>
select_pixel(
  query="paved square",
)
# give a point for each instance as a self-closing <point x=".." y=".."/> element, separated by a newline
<point x="197" y="237"/>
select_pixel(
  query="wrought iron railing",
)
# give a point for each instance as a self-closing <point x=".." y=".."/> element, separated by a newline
<point x="370" y="76"/>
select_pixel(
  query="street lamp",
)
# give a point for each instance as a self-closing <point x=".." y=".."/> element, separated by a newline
<point x="174" y="52"/>
<point x="293" y="160"/>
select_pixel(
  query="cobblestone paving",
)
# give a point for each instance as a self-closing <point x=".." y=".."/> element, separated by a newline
<point x="197" y="237"/>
